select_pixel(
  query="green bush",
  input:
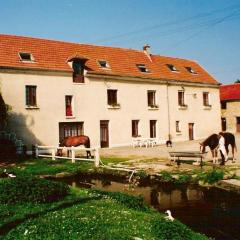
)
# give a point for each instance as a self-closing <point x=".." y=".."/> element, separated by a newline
<point x="211" y="176"/>
<point x="31" y="189"/>
<point x="166" y="176"/>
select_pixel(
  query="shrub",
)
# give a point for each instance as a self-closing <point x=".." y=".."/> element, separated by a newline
<point x="211" y="176"/>
<point x="166" y="176"/>
<point x="31" y="189"/>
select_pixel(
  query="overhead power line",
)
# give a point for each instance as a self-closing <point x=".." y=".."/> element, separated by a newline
<point x="216" y="22"/>
<point x="167" y="24"/>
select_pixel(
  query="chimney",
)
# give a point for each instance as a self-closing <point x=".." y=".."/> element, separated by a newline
<point x="146" y="50"/>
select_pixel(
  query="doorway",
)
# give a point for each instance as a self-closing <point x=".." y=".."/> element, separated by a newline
<point x="191" y="131"/>
<point x="224" y="124"/>
<point x="238" y="124"/>
<point x="104" y="133"/>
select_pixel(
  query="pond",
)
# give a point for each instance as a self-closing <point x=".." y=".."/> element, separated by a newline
<point x="213" y="212"/>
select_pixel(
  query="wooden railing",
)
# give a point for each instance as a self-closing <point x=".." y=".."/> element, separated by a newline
<point x="51" y="152"/>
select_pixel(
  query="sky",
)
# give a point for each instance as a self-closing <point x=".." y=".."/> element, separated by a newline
<point x="207" y="31"/>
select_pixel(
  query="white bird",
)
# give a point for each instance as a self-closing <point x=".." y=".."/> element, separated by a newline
<point x="169" y="215"/>
<point x="5" y="173"/>
<point x="11" y="175"/>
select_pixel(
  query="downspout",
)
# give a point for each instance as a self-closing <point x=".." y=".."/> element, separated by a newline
<point x="168" y="114"/>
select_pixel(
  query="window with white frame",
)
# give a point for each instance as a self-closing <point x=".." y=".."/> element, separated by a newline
<point x="143" y="68"/>
<point x="103" y="64"/>
<point x="172" y="67"/>
<point x="191" y="70"/>
<point x="69" y="106"/>
<point x="26" y="57"/>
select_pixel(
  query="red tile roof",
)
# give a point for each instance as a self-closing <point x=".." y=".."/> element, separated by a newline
<point x="53" y="55"/>
<point x="230" y="92"/>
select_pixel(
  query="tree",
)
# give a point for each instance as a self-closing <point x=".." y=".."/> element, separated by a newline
<point x="237" y="81"/>
<point x="3" y="113"/>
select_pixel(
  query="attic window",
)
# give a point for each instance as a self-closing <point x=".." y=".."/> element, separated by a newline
<point x="103" y="64"/>
<point x="142" y="68"/>
<point x="190" y="70"/>
<point x="28" y="57"/>
<point x="172" y="68"/>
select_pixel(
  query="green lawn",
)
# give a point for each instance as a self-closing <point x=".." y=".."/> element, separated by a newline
<point x="87" y="214"/>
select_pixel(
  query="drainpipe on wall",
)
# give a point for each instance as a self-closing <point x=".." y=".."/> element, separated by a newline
<point x="168" y="114"/>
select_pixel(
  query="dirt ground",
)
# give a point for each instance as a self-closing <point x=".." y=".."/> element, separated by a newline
<point x="157" y="158"/>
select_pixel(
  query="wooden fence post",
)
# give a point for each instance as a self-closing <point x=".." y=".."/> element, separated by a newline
<point x="73" y="154"/>
<point x="97" y="158"/>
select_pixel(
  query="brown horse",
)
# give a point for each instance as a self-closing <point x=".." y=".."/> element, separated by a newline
<point x="74" y="141"/>
<point x="213" y="140"/>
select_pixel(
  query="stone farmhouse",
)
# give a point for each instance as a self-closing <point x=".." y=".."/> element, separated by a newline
<point x="57" y="89"/>
<point x="230" y="107"/>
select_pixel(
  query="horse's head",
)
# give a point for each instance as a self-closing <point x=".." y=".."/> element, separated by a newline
<point x="59" y="152"/>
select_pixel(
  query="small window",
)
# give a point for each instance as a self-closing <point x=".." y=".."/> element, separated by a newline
<point x="142" y="68"/>
<point x="172" y="67"/>
<point x="178" y="128"/>
<point x="206" y="99"/>
<point x="78" y="71"/>
<point x="28" y="57"/>
<point x="112" y="97"/>
<point x="31" y="96"/>
<point x="151" y="98"/>
<point x="223" y="105"/>
<point x="135" y="132"/>
<point x="181" y="100"/>
<point x="69" y="105"/>
<point x="191" y="70"/>
<point x="103" y="64"/>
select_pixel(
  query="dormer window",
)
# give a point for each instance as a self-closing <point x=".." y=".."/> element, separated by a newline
<point x="77" y="67"/>
<point x="26" y="57"/>
<point x="172" y="67"/>
<point x="142" y="68"/>
<point x="103" y="64"/>
<point x="191" y="70"/>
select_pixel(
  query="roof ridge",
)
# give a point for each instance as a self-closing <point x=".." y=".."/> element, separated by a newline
<point x="69" y="42"/>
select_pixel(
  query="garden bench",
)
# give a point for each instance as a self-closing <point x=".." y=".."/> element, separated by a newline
<point x="187" y="155"/>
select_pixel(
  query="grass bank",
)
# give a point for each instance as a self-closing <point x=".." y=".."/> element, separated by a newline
<point x="87" y="214"/>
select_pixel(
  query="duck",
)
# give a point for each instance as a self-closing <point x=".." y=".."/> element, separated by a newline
<point x="6" y="174"/>
<point x="169" y="215"/>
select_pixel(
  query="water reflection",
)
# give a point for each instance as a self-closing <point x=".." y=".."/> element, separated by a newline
<point x="213" y="212"/>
